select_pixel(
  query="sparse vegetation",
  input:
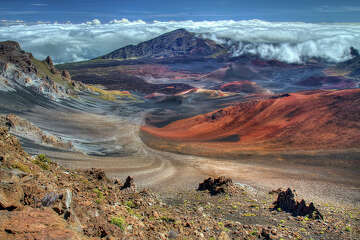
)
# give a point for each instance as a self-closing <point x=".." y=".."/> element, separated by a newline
<point x="110" y="95"/>
<point x="348" y="228"/>
<point x="42" y="161"/>
<point x="249" y="214"/>
<point x="44" y="71"/>
<point x="21" y="167"/>
<point x="254" y="232"/>
<point x="130" y="204"/>
<point x="99" y="194"/>
<point x="119" y="221"/>
<point x="167" y="219"/>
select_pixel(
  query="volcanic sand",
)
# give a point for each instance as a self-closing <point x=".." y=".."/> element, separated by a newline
<point x="169" y="172"/>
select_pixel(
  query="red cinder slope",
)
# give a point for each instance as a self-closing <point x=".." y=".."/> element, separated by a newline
<point x="311" y="120"/>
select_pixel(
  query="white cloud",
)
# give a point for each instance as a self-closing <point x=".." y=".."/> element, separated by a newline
<point x="94" y="22"/>
<point x="288" y="42"/>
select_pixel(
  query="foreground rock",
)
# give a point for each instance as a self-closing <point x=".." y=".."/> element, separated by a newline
<point x="286" y="202"/>
<point x="217" y="185"/>
<point x="42" y="200"/>
<point x="31" y="224"/>
<point x="129" y="184"/>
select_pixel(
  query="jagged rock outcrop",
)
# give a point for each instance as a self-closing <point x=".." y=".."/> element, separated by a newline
<point x="178" y="43"/>
<point x="65" y="74"/>
<point x="217" y="185"/>
<point x="19" y="69"/>
<point x="11" y="52"/>
<point x="286" y="202"/>
<point x="50" y="63"/>
<point x="25" y="128"/>
<point x="129" y="184"/>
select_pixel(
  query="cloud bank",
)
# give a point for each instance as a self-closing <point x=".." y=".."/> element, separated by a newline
<point x="289" y="42"/>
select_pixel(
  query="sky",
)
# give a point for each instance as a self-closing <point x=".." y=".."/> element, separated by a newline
<point x="78" y="11"/>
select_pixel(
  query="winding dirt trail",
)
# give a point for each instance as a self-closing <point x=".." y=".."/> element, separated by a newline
<point x="169" y="172"/>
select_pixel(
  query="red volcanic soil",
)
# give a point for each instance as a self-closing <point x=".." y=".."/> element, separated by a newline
<point x="311" y="120"/>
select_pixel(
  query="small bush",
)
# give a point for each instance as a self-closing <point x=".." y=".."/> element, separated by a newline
<point x="43" y="158"/>
<point x="118" y="221"/>
<point x="130" y="204"/>
<point x="254" y="232"/>
<point x="99" y="194"/>
<point x="21" y="167"/>
<point x="42" y="161"/>
<point x="348" y="228"/>
<point x="167" y="219"/>
<point x="249" y="214"/>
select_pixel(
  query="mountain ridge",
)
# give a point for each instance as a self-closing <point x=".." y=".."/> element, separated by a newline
<point x="177" y="43"/>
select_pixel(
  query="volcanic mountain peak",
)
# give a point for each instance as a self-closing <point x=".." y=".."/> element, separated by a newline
<point x="177" y="43"/>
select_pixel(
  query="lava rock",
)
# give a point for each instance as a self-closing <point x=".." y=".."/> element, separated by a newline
<point x="96" y="173"/>
<point x="286" y="202"/>
<point x="11" y="192"/>
<point x="216" y="185"/>
<point x="129" y="183"/>
<point x="50" y="198"/>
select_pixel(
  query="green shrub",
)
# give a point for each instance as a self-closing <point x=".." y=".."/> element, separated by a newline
<point x="348" y="228"/>
<point x="43" y="158"/>
<point x="119" y="221"/>
<point x="130" y="204"/>
<point x="249" y="214"/>
<point x="167" y="219"/>
<point x="99" y="194"/>
<point x="42" y="161"/>
<point x="21" y="167"/>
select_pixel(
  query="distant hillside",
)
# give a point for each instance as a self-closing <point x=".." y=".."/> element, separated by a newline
<point x="178" y="43"/>
<point x="306" y="120"/>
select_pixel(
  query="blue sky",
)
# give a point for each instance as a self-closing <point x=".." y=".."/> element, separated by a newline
<point x="78" y="11"/>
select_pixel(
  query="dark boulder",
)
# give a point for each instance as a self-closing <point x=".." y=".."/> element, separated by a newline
<point x="98" y="174"/>
<point x="216" y="185"/>
<point x="50" y="198"/>
<point x="286" y="202"/>
<point x="129" y="184"/>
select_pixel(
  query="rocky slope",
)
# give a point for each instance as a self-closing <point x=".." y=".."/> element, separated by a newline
<point x="42" y="200"/>
<point x="24" y="128"/>
<point x="19" y="70"/>
<point x="178" y="43"/>
<point x="299" y="121"/>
